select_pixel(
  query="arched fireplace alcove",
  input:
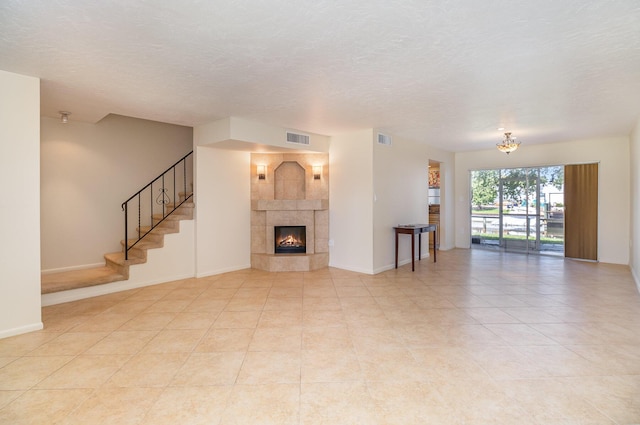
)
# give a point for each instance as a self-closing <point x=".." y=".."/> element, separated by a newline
<point x="289" y="181"/>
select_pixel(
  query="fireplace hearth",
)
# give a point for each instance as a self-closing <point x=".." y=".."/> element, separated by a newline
<point x="290" y="239"/>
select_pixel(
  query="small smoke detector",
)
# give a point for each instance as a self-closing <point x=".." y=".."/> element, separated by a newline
<point x="297" y="138"/>
<point x="383" y="139"/>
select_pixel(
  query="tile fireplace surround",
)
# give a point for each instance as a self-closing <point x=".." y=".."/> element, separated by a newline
<point x="289" y="196"/>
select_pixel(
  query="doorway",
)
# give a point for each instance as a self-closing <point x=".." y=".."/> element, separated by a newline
<point x="435" y="203"/>
<point x="518" y="209"/>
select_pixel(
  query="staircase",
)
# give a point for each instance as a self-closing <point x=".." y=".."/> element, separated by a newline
<point x="151" y="236"/>
<point x="116" y="268"/>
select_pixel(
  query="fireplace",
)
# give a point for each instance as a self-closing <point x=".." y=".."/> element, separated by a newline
<point x="290" y="239"/>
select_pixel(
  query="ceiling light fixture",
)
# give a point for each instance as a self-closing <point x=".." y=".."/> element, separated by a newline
<point x="64" y="116"/>
<point x="508" y="144"/>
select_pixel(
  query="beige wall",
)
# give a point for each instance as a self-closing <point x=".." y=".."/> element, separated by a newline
<point x="88" y="170"/>
<point x="351" y="201"/>
<point x="401" y="188"/>
<point x="614" y="185"/>
<point x="376" y="187"/>
<point x="240" y="134"/>
<point x="223" y="209"/>
<point x="634" y="249"/>
<point x="223" y="188"/>
<point x="372" y="188"/>
<point x="19" y="204"/>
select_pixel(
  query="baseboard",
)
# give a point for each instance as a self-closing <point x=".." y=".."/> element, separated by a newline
<point x="221" y="271"/>
<point x="21" y="330"/>
<point x="350" y="268"/>
<point x="72" y="268"/>
<point x="635" y="278"/>
<point x="400" y="263"/>
<point x="389" y="267"/>
<point x="109" y="288"/>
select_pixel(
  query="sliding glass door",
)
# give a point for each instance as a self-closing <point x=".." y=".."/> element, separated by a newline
<point x="518" y="209"/>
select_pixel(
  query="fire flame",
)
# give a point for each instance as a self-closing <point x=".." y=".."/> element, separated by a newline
<point x="290" y="240"/>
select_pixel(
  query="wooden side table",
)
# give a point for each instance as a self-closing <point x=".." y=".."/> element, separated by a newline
<point x="413" y="229"/>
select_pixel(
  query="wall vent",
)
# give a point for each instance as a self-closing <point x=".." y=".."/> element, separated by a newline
<point x="383" y="139"/>
<point x="299" y="139"/>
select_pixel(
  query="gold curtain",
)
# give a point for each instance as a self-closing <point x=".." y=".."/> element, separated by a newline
<point x="581" y="211"/>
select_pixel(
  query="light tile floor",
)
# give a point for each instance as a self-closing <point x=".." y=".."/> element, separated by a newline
<point x="477" y="338"/>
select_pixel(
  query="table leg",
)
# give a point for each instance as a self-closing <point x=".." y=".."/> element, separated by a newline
<point x="396" y="250"/>
<point x="413" y="252"/>
<point x="435" y="239"/>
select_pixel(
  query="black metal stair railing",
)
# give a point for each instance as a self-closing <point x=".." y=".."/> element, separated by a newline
<point x="153" y="210"/>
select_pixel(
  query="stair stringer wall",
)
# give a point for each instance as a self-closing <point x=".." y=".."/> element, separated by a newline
<point x="174" y="261"/>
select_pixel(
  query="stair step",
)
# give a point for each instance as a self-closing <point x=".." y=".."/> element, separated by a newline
<point x="163" y="228"/>
<point x="145" y="243"/>
<point x="183" y="212"/>
<point x="188" y="204"/>
<point x="116" y="261"/>
<point x="117" y="258"/>
<point x="151" y="236"/>
<point x="185" y="195"/>
<point x="172" y="208"/>
<point x="64" y="281"/>
<point x="172" y="217"/>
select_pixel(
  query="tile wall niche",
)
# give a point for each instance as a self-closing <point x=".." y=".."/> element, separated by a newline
<point x="289" y="196"/>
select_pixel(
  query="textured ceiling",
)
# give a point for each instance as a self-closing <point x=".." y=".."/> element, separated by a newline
<point x="446" y="73"/>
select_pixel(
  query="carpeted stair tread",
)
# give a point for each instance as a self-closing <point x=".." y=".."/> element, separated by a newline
<point x="172" y="217"/>
<point x="64" y="281"/>
<point x="118" y="258"/>
<point x="163" y="228"/>
<point x="145" y="243"/>
<point x="171" y="205"/>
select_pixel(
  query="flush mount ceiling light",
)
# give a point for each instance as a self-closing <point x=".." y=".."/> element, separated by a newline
<point x="508" y="144"/>
<point x="64" y="116"/>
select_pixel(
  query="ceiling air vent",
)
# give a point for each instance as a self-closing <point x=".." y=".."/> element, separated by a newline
<point x="299" y="139"/>
<point x="383" y="139"/>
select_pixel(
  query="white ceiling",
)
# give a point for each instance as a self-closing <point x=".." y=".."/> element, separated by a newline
<point x="444" y="72"/>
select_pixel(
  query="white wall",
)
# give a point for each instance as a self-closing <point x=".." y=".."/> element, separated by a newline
<point x="223" y="213"/>
<point x="401" y="188"/>
<point x="88" y="170"/>
<point x="634" y="251"/>
<point x="223" y="188"/>
<point x="613" y="186"/>
<point x="235" y="133"/>
<point x="351" y="201"/>
<point x="360" y="244"/>
<point x="247" y="130"/>
<point x="19" y="204"/>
